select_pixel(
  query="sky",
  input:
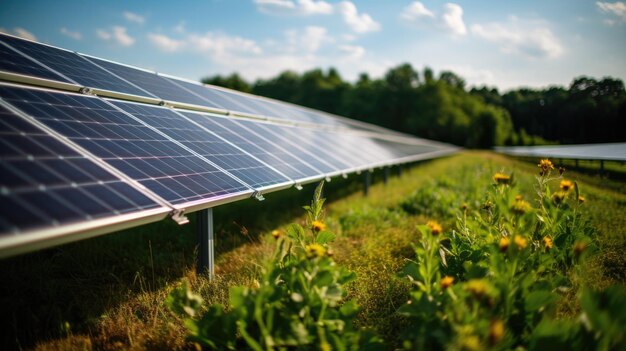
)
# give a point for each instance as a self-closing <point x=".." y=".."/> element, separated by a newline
<point x="505" y="44"/>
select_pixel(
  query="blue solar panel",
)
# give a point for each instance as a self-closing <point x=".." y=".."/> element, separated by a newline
<point x="45" y="183"/>
<point x="151" y="82"/>
<point x="13" y="62"/>
<point x="71" y="65"/>
<point x="230" y="158"/>
<point x="270" y="153"/>
<point x="141" y="153"/>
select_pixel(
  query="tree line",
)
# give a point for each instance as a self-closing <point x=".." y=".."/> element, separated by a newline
<point x="441" y="107"/>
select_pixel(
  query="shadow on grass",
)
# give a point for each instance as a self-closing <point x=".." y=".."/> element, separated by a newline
<point x="47" y="293"/>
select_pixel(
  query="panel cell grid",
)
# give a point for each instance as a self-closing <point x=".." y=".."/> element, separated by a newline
<point x="13" y="62"/>
<point x="72" y="66"/>
<point x="44" y="183"/>
<point x="268" y="152"/>
<point x="167" y="169"/>
<point x="228" y="157"/>
<point x="151" y="82"/>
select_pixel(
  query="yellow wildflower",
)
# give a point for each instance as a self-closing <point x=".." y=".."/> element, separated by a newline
<point x="520" y="207"/>
<point x="276" y="234"/>
<point x="558" y="197"/>
<point x="435" y="228"/>
<point x="581" y="199"/>
<point x="470" y="343"/>
<point x="318" y="226"/>
<point x="566" y="185"/>
<point x="447" y="282"/>
<point x="496" y="331"/>
<point x="504" y="244"/>
<point x="546" y="166"/>
<point x="464" y="206"/>
<point x="580" y="247"/>
<point x="520" y="242"/>
<point x="315" y="250"/>
<point x="325" y="347"/>
<point x="518" y="197"/>
<point x="547" y="242"/>
<point x="477" y="287"/>
<point x="501" y="178"/>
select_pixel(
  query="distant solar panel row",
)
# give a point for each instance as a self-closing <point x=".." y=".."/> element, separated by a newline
<point x="606" y="151"/>
<point x="72" y="162"/>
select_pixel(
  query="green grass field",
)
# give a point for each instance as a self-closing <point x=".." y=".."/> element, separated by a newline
<point x="109" y="292"/>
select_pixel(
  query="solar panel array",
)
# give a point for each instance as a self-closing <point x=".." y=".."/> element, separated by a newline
<point x="89" y="146"/>
<point x="602" y="152"/>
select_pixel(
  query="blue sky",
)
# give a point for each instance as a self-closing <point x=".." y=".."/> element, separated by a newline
<point x="506" y="44"/>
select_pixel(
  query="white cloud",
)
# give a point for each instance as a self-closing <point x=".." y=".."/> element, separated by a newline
<point x="298" y="7"/>
<point x="133" y="17"/>
<point x="19" y="32"/>
<point x="359" y="23"/>
<point x="222" y="44"/>
<point x="453" y="19"/>
<point x="353" y="52"/>
<point x="164" y="43"/>
<point x="71" y="34"/>
<point x="532" y="39"/>
<point x="449" y="20"/>
<point x="117" y="34"/>
<point x="614" y="8"/>
<point x="416" y="11"/>
<point x="309" y="40"/>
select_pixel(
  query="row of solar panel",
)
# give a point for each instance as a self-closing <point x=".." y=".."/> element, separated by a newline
<point x="27" y="58"/>
<point x="604" y="151"/>
<point x="67" y="158"/>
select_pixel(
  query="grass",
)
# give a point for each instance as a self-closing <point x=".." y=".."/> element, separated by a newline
<point x="108" y="292"/>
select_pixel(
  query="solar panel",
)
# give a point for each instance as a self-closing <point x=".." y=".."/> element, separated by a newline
<point x="44" y="183"/>
<point x="602" y="151"/>
<point x="151" y="82"/>
<point x="71" y="65"/>
<point x="270" y="153"/>
<point x="225" y="155"/>
<point x="13" y="62"/>
<point x="136" y="150"/>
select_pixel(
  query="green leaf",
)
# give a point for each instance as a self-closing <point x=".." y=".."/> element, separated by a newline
<point x="324" y="237"/>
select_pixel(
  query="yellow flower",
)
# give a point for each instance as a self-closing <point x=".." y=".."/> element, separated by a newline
<point x="566" y="185"/>
<point x="504" y="244"/>
<point x="464" y="206"/>
<point x="518" y="197"/>
<point x="520" y="207"/>
<point x="325" y="347"/>
<point x="558" y="197"/>
<point x="315" y="250"/>
<point x="256" y="284"/>
<point x="318" y="226"/>
<point x="435" y="228"/>
<point x="447" y="282"/>
<point x="496" y="331"/>
<point x="276" y="234"/>
<point x="477" y="287"/>
<point x="546" y="166"/>
<point x="470" y="343"/>
<point x="581" y="199"/>
<point x="547" y="242"/>
<point x="580" y="247"/>
<point x="501" y="178"/>
<point x="520" y="242"/>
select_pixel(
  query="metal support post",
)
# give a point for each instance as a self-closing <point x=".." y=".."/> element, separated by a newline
<point x="386" y="175"/>
<point x="399" y="170"/>
<point x="205" y="243"/>
<point x="366" y="182"/>
<point x="576" y="164"/>
<point x="601" y="166"/>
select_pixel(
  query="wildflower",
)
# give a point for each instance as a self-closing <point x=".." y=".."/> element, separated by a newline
<point x="488" y="205"/>
<point x="581" y="199"/>
<point x="496" y="331"/>
<point x="435" y="228"/>
<point x="446" y="282"/>
<point x="566" y="185"/>
<point x="520" y="242"/>
<point x="315" y="250"/>
<point x="276" y="234"/>
<point x="580" y="247"/>
<point x="502" y="179"/>
<point x="477" y="287"/>
<point x="520" y="207"/>
<point x="561" y="170"/>
<point x="546" y="166"/>
<point x="464" y="206"/>
<point x="504" y="244"/>
<point x="470" y="343"/>
<point x="547" y="242"/>
<point x="558" y="197"/>
<point x="256" y="284"/>
<point x="318" y="226"/>
<point x="325" y="347"/>
<point x="518" y="197"/>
